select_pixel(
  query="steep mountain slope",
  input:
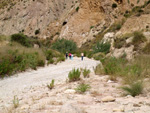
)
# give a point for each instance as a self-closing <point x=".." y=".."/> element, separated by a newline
<point x="78" y="20"/>
<point x="31" y="15"/>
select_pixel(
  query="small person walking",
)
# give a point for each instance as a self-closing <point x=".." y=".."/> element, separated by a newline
<point x="70" y="55"/>
<point x="66" y="55"/>
<point x="82" y="55"/>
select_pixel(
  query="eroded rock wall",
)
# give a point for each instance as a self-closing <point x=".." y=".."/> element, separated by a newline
<point x="78" y="20"/>
<point x="31" y="15"/>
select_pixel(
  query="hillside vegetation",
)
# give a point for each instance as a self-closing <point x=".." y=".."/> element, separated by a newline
<point x="20" y="52"/>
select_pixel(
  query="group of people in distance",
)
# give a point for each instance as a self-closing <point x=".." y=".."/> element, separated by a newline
<point x="71" y="56"/>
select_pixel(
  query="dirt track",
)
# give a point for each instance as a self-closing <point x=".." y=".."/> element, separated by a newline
<point x="23" y="81"/>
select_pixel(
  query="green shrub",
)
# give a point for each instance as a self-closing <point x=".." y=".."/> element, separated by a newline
<point x="52" y="54"/>
<point x="4" y="38"/>
<point x="99" y="56"/>
<point x="136" y="9"/>
<point x="91" y="27"/>
<point x="89" y="54"/>
<point x="119" y="42"/>
<point x="138" y="38"/>
<point x="46" y="43"/>
<point x="51" y="61"/>
<point x="18" y="58"/>
<point x="111" y="66"/>
<point x="41" y="63"/>
<point x="99" y="69"/>
<point x="63" y="45"/>
<point x="77" y="9"/>
<point x="143" y="61"/>
<point x="114" y="5"/>
<point x="146" y="49"/>
<point x="6" y="67"/>
<point x="102" y="47"/>
<point x="15" y="102"/>
<point x="78" y="54"/>
<point x="37" y="31"/>
<point x="74" y="75"/>
<point x="127" y="15"/>
<point x="22" y="39"/>
<point x="128" y="1"/>
<point x="6" y="3"/>
<point x="86" y="72"/>
<point x="115" y="27"/>
<point x="49" y="54"/>
<point x="51" y="85"/>
<point x="134" y="89"/>
<point x="61" y="58"/>
<point x="82" y="88"/>
<point x="119" y="66"/>
<point x="138" y="1"/>
<point x="146" y="3"/>
<point x="131" y="71"/>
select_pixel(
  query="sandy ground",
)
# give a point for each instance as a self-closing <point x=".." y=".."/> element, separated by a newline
<point x="23" y="81"/>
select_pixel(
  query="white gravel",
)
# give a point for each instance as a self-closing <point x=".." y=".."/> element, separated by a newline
<point x="18" y="83"/>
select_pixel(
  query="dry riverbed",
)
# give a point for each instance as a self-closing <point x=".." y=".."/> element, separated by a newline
<point x="30" y="87"/>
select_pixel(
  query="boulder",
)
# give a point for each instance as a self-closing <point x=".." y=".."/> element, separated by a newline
<point x="129" y="40"/>
<point x="109" y="37"/>
<point x="118" y="110"/>
<point x="36" y="46"/>
<point x="108" y="99"/>
<point x="69" y="91"/>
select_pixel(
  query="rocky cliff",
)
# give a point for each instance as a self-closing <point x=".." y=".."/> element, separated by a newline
<point x="30" y="15"/>
<point x="78" y="20"/>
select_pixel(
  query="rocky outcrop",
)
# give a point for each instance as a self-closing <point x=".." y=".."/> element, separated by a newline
<point x="29" y="16"/>
<point x="89" y="14"/>
<point x="92" y="17"/>
<point x="79" y="20"/>
<point x="136" y="24"/>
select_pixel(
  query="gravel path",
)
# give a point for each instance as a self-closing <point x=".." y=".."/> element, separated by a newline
<point x="14" y="85"/>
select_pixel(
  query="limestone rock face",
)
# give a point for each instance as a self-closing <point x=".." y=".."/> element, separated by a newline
<point x="136" y="24"/>
<point x="89" y="14"/>
<point x="92" y="17"/>
<point x="76" y="20"/>
<point x="120" y="52"/>
<point x="31" y="15"/>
